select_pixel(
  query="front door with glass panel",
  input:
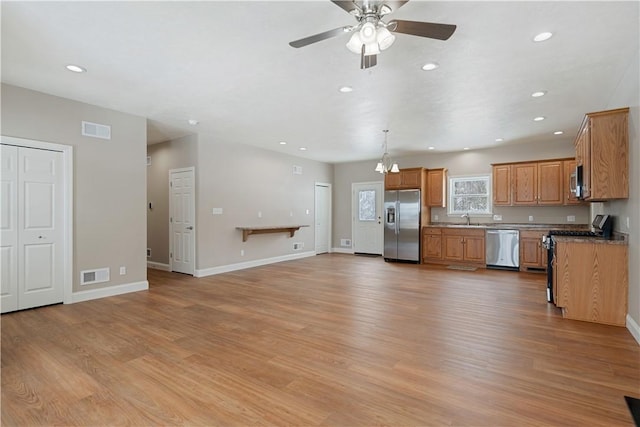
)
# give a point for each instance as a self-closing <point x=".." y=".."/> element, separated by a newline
<point x="367" y="218"/>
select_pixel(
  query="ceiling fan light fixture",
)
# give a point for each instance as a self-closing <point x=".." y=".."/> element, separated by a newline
<point x="368" y="33"/>
<point x="384" y="10"/>
<point x="394" y="168"/>
<point x="379" y="168"/>
<point x="371" y="49"/>
<point x="385" y="38"/>
<point x="355" y="43"/>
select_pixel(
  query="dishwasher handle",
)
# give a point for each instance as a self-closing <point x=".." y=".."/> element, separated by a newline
<point x="516" y="232"/>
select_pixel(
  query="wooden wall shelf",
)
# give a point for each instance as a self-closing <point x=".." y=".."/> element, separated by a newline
<point x="291" y="229"/>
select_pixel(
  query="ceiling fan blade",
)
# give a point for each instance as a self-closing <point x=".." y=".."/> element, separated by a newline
<point x="395" y="4"/>
<point x="349" y="6"/>
<point x="422" y="29"/>
<point x="319" y="37"/>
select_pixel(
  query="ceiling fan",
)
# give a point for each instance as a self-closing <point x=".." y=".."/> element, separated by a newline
<point x="371" y="34"/>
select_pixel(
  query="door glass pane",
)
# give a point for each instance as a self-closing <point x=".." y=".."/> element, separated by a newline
<point x="367" y="205"/>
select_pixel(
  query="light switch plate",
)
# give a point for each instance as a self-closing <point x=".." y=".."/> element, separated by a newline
<point x="216" y="211"/>
<point x="530" y="218"/>
<point x="571" y="218"/>
<point x="497" y="217"/>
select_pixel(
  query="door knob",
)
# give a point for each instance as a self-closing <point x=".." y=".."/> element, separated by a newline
<point x="190" y="227"/>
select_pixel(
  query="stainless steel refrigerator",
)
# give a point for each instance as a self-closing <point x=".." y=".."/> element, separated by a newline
<point x="402" y="225"/>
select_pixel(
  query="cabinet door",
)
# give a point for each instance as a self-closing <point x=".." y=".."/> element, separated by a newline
<point x="569" y="186"/>
<point x="411" y="178"/>
<point x="609" y="156"/>
<point x="530" y="252"/>
<point x="502" y="185"/>
<point x="392" y="181"/>
<point x="585" y="145"/>
<point x="525" y="181"/>
<point x="550" y="183"/>
<point x="453" y="247"/>
<point x="474" y="250"/>
<point x="436" y="188"/>
<point x="432" y="247"/>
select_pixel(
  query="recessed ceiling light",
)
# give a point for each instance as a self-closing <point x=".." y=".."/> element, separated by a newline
<point x="499" y="139"/>
<point x="431" y="148"/>
<point x="430" y="66"/>
<point x="558" y="132"/>
<point x="539" y="93"/>
<point x="303" y="148"/>
<point x="538" y="119"/>
<point x="465" y="148"/>
<point x="542" y="36"/>
<point x="193" y="122"/>
<point x="283" y="142"/>
<point x="346" y="89"/>
<point x="76" y="68"/>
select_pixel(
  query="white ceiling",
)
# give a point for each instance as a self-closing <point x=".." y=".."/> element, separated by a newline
<point x="229" y="66"/>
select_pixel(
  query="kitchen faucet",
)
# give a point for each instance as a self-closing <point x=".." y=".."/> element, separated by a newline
<point x="467" y="217"/>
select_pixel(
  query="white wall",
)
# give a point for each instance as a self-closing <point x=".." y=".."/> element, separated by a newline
<point x="108" y="178"/>
<point x="242" y="180"/>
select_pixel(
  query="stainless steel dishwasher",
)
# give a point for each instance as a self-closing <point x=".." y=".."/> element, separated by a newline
<point x="503" y="249"/>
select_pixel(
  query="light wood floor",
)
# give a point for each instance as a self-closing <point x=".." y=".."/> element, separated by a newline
<point x="336" y="340"/>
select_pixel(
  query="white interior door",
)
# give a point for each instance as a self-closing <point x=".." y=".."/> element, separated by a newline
<point x="9" y="229"/>
<point x="323" y="218"/>
<point x="367" y="218"/>
<point x="182" y="220"/>
<point x="32" y="227"/>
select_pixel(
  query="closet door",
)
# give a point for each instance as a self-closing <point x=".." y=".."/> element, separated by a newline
<point x="9" y="228"/>
<point x="32" y="223"/>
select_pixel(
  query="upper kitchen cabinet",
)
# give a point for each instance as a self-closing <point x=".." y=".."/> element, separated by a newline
<point x="411" y="178"/>
<point x="437" y="188"/>
<point x="501" y="185"/>
<point x="538" y="183"/>
<point x="602" y="154"/>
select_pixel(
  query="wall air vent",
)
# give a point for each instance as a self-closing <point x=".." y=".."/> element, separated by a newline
<point x="89" y="277"/>
<point x="96" y="130"/>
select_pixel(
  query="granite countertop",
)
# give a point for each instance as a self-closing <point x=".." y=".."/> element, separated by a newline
<point x="503" y="226"/>
<point x="617" y="239"/>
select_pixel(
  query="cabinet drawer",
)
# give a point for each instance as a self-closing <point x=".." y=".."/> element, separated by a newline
<point x="463" y="231"/>
<point x="432" y="231"/>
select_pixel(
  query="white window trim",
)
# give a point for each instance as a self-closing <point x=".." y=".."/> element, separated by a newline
<point x="489" y="195"/>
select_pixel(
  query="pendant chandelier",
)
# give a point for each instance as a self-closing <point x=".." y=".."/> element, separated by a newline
<point x="386" y="165"/>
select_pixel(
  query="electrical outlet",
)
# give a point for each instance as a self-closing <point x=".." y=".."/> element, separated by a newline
<point x="628" y="226"/>
<point x="530" y="218"/>
<point x="571" y="218"/>
<point x="436" y="217"/>
<point x="241" y="252"/>
<point x="498" y="218"/>
<point x="291" y="213"/>
<point x="307" y="211"/>
<point x="123" y="271"/>
<point x="216" y="211"/>
<point x="259" y="214"/>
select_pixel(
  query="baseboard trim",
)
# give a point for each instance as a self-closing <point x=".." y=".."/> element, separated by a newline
<point x="250" y="264"/>
<point x="634" y="328"/>
<point x="342" y="251"/>
<point x="158" y="266"/>
<point x="109" y="291"/>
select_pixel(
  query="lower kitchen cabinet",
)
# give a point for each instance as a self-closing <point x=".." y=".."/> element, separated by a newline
<point x="432" y="245"/>
<point x="533" y="256"/>
<point x="463" y="245"/>
<point x="591" y="280"/>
